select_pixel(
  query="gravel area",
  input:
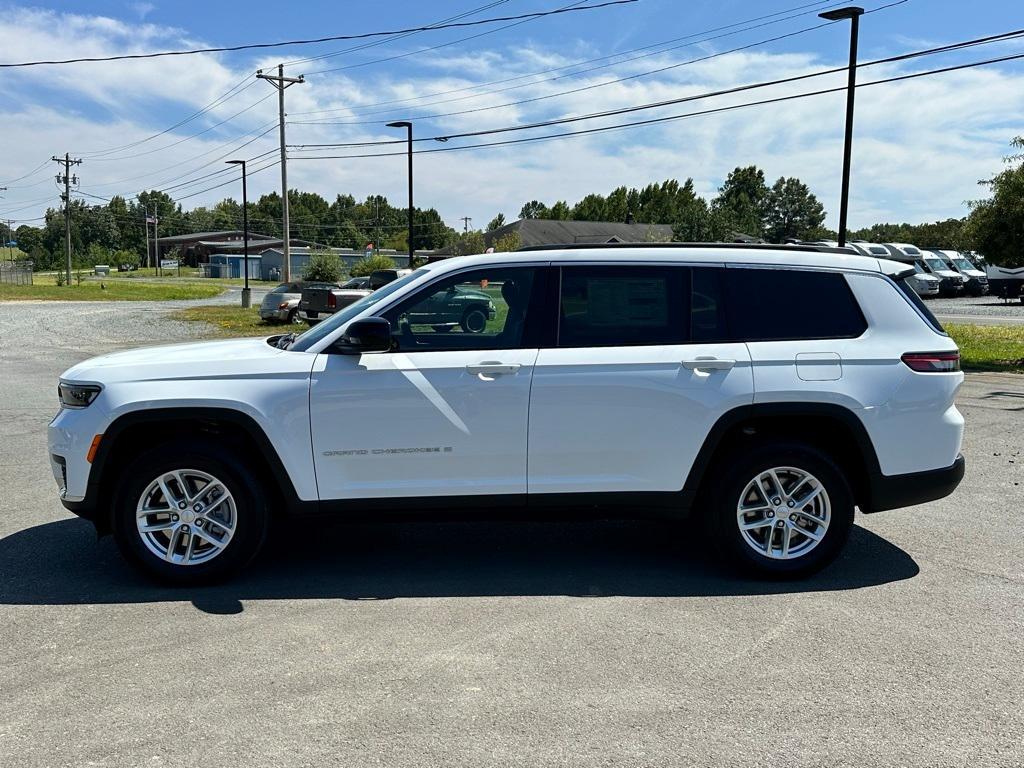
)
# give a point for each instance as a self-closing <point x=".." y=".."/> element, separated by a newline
<point x="981" y="309"/>
<point x="101" y="326"/>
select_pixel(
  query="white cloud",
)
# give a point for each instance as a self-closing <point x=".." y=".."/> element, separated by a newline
<point x="921" y="145"/>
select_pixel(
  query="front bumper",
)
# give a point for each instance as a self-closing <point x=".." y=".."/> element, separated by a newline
<point x="897" y="491"/>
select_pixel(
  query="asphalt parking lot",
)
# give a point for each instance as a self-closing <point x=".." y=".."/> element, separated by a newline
<point x="499" y="643"/>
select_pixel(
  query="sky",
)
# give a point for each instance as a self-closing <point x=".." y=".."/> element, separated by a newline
<point x="921" y="145"/>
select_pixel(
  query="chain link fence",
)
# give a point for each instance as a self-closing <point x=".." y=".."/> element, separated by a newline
<point x="16" y="272"/>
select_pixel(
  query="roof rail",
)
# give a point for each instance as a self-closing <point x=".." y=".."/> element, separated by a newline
<point x="732" y="246"/>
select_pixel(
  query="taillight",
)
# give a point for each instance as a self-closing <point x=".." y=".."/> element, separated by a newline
<point x="283" y="305"/>
<point x="332" y="300"/>
<point x="932" y="362"/>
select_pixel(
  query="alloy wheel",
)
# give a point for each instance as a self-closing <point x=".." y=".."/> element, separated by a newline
<point x="186" y="516"/>
<point x="783" y="513"/>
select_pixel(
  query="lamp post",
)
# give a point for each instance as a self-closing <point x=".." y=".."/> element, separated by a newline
<point x="246" y="293"/>
<point x="853" y="13"/>
<point x="408" y="126"/>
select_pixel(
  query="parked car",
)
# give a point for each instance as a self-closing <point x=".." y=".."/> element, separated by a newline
<point x="975" y="281"/>
<point x="321" y="301"/>
<point x="281" y="304"/>
<point x="924" y="284"/>
<point x="357" y="282"/>
<point x="950" y="282"/>
<point x="754" y="395"/>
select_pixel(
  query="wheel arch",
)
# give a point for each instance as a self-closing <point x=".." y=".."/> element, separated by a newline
<point x="832" y="429"/>
<point x="135" y="431"/>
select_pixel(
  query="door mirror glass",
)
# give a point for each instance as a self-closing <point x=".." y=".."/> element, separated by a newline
<point x="371" y="334"/>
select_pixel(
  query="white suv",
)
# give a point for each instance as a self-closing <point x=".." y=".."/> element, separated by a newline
<point x="758" y="394"/>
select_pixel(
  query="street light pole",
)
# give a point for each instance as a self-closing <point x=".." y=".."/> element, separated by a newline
<point x="408" y="126"/>
<point x="246" y="292"/>
<point x="853" y="13"/>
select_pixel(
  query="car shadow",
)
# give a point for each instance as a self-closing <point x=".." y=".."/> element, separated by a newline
<point x="62" y="563"/>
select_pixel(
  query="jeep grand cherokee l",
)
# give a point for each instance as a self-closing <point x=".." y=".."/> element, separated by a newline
<point x="754" y="394"/>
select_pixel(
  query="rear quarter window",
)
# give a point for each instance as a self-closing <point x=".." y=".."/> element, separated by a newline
<point x="790" y="304"/>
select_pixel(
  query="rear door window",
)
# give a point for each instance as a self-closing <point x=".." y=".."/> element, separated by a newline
<point x="790" y="304"/>
<point x="620" y="306"/>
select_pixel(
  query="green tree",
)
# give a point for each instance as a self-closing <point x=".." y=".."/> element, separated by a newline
<point x="496" y="223"/>
<point x="533" y="210"/>
<point x="741" y="200"/>
<point x="996" y="225"/>
<point x="323" y="268"/>
<point x="370" y="264"/>
<point x="560" y="211"/>
<point x="466" y="243"/>
<point x="592" y="207"/>
<point x="508" y="242"/>
<point x="791" y="210"/>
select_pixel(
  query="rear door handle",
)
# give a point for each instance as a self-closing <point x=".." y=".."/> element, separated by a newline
<point x="708" y="364"/>
<point x="491" y="368"/>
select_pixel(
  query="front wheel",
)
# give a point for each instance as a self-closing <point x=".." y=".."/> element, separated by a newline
<point x="783" y="509"/>
<point x="189" y="514"/>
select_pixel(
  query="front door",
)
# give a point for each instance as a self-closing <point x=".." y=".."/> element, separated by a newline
<point x="445" y="413"/>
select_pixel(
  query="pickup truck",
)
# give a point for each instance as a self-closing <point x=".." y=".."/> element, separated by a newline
<point x="320" y="301"/>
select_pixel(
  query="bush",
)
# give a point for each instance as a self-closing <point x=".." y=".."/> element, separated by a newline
<point x="123" y="257"/>
<point x="323" y="268"/>
<point x="370" y="264"/>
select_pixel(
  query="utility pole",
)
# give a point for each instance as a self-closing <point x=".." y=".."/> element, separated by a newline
<point x="281" y="83"/>
<point x="156" y="238"/>
<point x="465" y="223"/>
<point x="67" y="179"/>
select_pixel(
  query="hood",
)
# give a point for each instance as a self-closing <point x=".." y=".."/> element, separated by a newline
<point x="207" y="359"/>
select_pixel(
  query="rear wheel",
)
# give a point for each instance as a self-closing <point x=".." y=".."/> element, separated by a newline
<point x="189" y="514"/>
<point x="783" y="509"/>
<point x="293" y="317"/>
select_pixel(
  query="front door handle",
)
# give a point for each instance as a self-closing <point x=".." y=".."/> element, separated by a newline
<point x="708" y="364"/>
<point x="491" y="368"/>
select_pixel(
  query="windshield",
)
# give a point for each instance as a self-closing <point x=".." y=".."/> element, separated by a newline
<point x="338" y="319"/>
<point x="919" y="269"/>
<point x="936" y="264"/>
<point x="963" y="263"/>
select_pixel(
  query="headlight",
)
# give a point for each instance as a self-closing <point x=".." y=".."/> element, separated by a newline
<point x="77" y="395"/>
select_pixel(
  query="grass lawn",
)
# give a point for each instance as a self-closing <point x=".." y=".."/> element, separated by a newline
<point x="989" y="347"/>
<point x="230" y="321"/>
<point x="109" y="290"/>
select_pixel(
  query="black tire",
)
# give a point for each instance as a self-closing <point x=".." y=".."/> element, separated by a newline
<point x="293" y="318"/>
<point x="251" y="512"/>
<point x="732" y="476"/>
<point x="474" y="320"/>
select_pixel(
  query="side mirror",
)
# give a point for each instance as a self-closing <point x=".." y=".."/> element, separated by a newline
<point x="371" y="334"/>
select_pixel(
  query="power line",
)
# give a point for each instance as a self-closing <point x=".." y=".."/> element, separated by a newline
<point x="1001" y="37"/>
<point x="818" y="3"/>
<point x="182" y="140"/>
<point x="311" y="41"/>
<point x="364" y="46"/>
<point x="590" y="87"/>
<point x="238" y="88"/>
<point x="571" y="6"/>
<point x="670" y="118"/>
<point x="616" y="81"/>
<point x="745" y="26"/>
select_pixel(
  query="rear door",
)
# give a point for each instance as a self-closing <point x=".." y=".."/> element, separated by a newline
<point x="639" y="373"/>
